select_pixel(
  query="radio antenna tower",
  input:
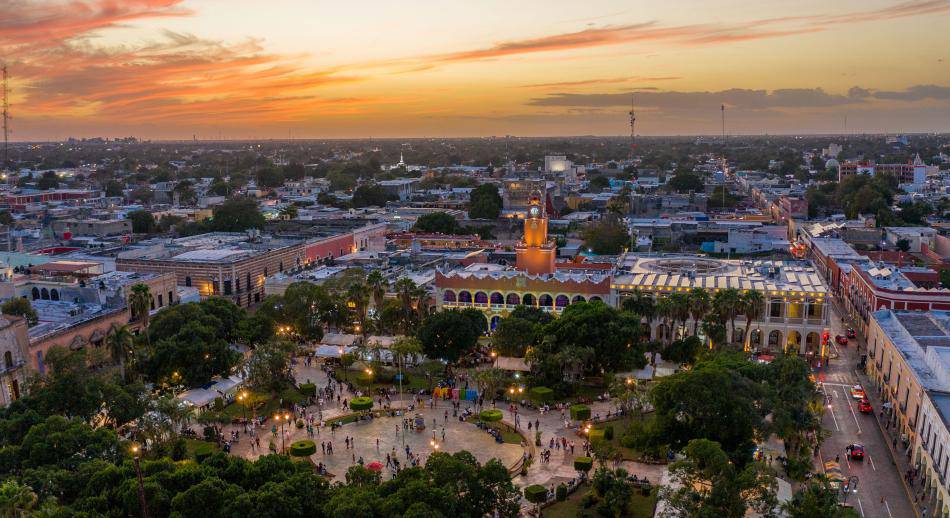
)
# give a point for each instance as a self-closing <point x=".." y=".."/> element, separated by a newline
<point x="6" y="115"/>
<point x="633" y="134"/>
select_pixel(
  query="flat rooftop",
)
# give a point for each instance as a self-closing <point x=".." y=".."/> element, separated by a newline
<point x="645" y="271"/>
<point x="215" y="247"/>
<point x="923" y="339"/>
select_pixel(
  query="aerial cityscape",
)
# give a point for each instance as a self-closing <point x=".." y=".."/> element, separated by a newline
<point x="434" y="259"/>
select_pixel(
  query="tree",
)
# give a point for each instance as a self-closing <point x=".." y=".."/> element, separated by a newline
<point x="485" y="202"/>
<point x="512" y="336"/>
<point x="817" y="498"/>
<point x="48" y="181"/>
<point x="686" y="182"/>
<point x="289" y="212"/>
<point x="490" y="381"/>
<point x="142" y="222"/>
<point x="608" y="235"/>
<point x="119" y="343"/>
<point x="371" y="196"/>
<point x="255" y="329"/>
<point x="114" y="189"/>
<point x="708" y="483"/>
<point x="6" y="218"/>
<point x="726" y="305"/>
<point x="714" y="400"/>
<point x="377" y="285"/>
<point x="684" y="351"/>
<point x="186" y="192"/>
<point x="268" y="369"/>
<point x="448" y="335"/>
<point x="699" y="306"/>
<point x="16" y="500"/>
<point x="752" y="305"/>
<point x="903" y="245"/>
<point x="436" y="222"/>
<point x="268" y="177"/>
<point x="236" y="215"/>
<point x="140" y="302"/>
<point x="22" y="308"/>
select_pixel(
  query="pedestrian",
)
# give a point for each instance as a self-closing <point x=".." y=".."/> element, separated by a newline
<point x="323" y="447"/>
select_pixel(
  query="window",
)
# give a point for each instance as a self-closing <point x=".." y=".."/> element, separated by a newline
<point x="188" y="281"/>
<point x="171" y="297"/>
<point x="159" y="300"/>
<point x="227" y="287"/>
<point x="249" y="281"/>
<point x="8" y="360"/>
<point x="35" y="292"/>
<point x="281" y="266"/>
<point x="237" y="285"/>
<point x="54" y="294"/>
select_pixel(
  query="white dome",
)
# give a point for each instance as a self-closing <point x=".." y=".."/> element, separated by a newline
<point x="831" y="164"/>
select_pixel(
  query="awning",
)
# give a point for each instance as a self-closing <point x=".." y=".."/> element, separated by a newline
<point x="332" y="351"/>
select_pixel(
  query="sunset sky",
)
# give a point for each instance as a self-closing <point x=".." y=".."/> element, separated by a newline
<point x="313" y="68"/>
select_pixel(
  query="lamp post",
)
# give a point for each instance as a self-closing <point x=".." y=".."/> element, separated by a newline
<point x="242" y="398"/>
<point x="282" y="419"/>
<point x="138" y="475"/>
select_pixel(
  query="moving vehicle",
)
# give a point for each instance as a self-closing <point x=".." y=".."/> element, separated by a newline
<point x="841" y="340"/>
<point x="865" y="407"/>
<point x="856" y="451"/>
<point x="857" y="392"/>
<point x="851" y="334"/>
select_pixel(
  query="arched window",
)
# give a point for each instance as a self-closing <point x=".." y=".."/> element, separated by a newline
<point x="54" y="294"/>
<point x="596" y="299"/>
<point x="465" y="297"/>
<point x="545" y="301"/>
<point x="481" y="297"/>
<point x="35" y="292"/>
<point x="561" y="301"/>
<point x="512" y="299"/>
<point x="448" y="296"/>
<point x="578" y="298"/>
<point x="497" y="298"/>
<point x="529" y="300"/>
<point x="188" y="281"/>
<point x="8" y="360"/>
<point x="44" y="294"/>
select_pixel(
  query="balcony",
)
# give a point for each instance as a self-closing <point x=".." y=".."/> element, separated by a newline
<point x="6" y="369"/>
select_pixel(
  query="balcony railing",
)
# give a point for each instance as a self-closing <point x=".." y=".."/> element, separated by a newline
<point x="4" y="369"/>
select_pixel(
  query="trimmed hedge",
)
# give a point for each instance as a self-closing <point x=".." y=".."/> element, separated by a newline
<point x="536" y="494"/>
<point x="304" y="448"/>
<point x="583" y="464"/>
<point x="360" y="404"/>
<point x="308" y="389"/>
<point x="580" y="412"/>
<point x="541" y="394"/>
<point x="561" y="493"/>
<point x="203" y="451"/>
<point x="596" y="436"/>
<point x="491" y="415"/>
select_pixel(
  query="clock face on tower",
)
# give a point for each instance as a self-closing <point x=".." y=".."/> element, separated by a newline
<point x="535" y="212"/>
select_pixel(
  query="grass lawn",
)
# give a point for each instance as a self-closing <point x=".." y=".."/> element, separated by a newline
<point x="191" y="444"/>
<point x="415" y="380"/>
<point x="620" y="427"/>
<point x="507" y="434"/>
<point x="640" y="506"/>
<point x="261" y="403"/>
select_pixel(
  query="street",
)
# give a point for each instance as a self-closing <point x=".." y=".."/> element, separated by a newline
<point x="880" y="491"/>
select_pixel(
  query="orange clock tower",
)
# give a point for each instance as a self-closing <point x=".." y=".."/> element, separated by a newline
<point x="536" y="253"/>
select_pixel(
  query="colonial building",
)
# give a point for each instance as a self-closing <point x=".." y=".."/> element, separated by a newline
<point x="496" y="289"/>
<point x="14" y="351"/>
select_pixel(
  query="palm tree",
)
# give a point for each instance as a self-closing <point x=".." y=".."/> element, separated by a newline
<point x="421" y="296"/>
<point x="574" y="359"/>
<point x="16" y="499"/>
<point x="377" y="285"/>
<point x="752" y="304"/>
<point x="679" y="310"/>
<point x="641" y="304"/>
<point x="726" y="304"/>
<point x="141" y="302"/>
<point x="119" y="343"/>
<point x="358" y="295"/>
<point x="699" y="306"/>
<point x="664" y="312"/>
<point x="402" y="349"/>
<point x="406" y="289"/>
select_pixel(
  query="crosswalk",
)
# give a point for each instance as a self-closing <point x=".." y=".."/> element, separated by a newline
<point x="838" y="378"/>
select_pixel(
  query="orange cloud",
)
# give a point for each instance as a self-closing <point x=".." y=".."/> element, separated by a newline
<point x="611" y="80"/>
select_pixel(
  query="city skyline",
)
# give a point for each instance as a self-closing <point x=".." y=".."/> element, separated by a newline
<point x="171" y="69"/>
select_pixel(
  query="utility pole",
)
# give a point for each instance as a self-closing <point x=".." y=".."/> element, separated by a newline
<point x="6" y="114"/>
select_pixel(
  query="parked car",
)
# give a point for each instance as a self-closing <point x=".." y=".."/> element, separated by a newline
<point x="856" y="451"/>
<point x="865" y="407"/>
<point x="857" y="392"/>
<point x="841" y="340"/>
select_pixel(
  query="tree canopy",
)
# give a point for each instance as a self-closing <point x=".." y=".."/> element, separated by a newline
<point x="485" y="202"/>
<point x="438" y="222"/>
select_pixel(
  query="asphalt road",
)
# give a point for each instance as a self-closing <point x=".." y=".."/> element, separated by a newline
<point x="880" y="491"/>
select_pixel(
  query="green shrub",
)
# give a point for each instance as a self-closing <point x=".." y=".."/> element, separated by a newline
<point x="304" y="448"/>
<point x="210" y="433"/>
<point x="291" y="396"/>
<point x="609" y="432"/>
<point x="536" y="494"/>
<point x="596" y="436"/>
<point x="561" y="493"/>
<point x="308" y="389"/>
<point x="580" y="412"/>
<point x="490" y="415"/>
<point x="179" y="449"/>
<point x="541" y="394"/>
<point x="589" y="500"/>
<point x="359" y="404"/>
<point x="218" y="403"/>
<point x="203" y="451"/>
<point x="583" y="464"/>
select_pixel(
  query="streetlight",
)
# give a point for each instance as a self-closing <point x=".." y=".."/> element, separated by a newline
<point x="138" y="475"/>
<point x="242" y="397"/>
<point x="286" y="418"/>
